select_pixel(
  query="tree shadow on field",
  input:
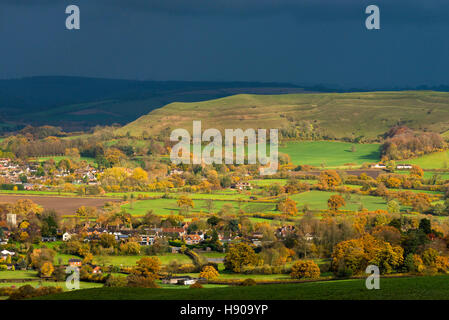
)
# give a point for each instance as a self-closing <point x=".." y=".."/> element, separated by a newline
<point x="374" y="155"/>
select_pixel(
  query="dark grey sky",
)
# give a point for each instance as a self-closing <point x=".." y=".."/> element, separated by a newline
<point x="299" y="41"/>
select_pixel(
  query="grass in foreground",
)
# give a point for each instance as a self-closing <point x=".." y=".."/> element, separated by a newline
<point x="39" y="283"/>
<point x="414" y="288"/>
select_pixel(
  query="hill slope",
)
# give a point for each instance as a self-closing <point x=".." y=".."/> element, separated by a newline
<point x="78" y="103"/>
<point x="338" y="115"/>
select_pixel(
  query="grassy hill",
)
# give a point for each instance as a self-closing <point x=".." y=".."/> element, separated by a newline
<point x="339" y="115"/>
<point x="77" y="103"/>
<point x="416" y="288"/>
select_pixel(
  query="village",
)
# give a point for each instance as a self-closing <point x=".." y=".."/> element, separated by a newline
<point x="32" y="176"/>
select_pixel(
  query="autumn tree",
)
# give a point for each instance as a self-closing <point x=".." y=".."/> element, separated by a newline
<point x="147" y="267"/>
<point x="335" y="202"/>
<point x="47" y="269"/>
<point x="209" y="205"/>
<point x="209" y="273"/>
<point x="49" y="220"/>
<point x="413" y="263"/>
<point x="130" y="248"/>
<point x="429" y="257"/>
<point x="416" y="172"/>
<point x="389" y="258"/>
<point x="442" y="264"/>
<point x="381" y="190"/>
<point x="226" y="210"/>
<point x="25" y="208"/>
<point x="402" y="143"/>
<point x="393" y="206"/>
<point x="40" y="256"/>
<point x="72" y="153"/>
<point x="330" y="178"/>
<point x="305" y="269"/>
<point x="276" y="254"/>
<point x="86" y="213"/>
<point x="387" y="233"/>
<point x="355" y="255"/>
<point x="393" y="182"/>
<point x="185" y="201"/>
<point x="287" y="206"/>
<point x="107" y="240"/>
<point x="114" y="177"/>
<point x="238" y="256"/>
<point x="139" y="176"/>
<point x="114" y="156"/>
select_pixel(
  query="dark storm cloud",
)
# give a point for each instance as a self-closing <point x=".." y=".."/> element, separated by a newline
<point x="300" y="41"/>
<point x="399" y="11"/>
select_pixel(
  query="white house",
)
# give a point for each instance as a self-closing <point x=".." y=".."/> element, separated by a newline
<point x="308" y="237"/>
<point x="66" y="236"/>
<point x="5" y="254"/>
<point x="176" y="171"/>
<point x="180" y="280"/>
<point x="146" y="240"/>
<point x="11" y="219"/>
<point x="403" y="166"/>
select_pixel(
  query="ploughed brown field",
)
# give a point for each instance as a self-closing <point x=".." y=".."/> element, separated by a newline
<point x="61" y="205"/>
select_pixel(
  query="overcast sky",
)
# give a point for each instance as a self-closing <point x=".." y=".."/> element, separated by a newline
<point x="298" y="41"/>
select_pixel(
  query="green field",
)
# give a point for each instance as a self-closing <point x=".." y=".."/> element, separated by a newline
<point x="317" y="200"/>
<point x="33" y="280"/>
<point x="330" y="153"/>
<point x="39" y="193"/>
<point x="428" y="174"/>
<point x="268" y="182"/>
<point x="59" y="158"/>
<point x="62" y="284"/>
<point x="131" y="260"/>
<point x="414" y="288"/>
<point x="169" y="206"/>
<point x="435" y="160"/>
<point x="18" y="274"/>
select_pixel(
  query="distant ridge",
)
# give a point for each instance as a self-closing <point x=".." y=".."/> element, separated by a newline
<point x="79" y="103"/>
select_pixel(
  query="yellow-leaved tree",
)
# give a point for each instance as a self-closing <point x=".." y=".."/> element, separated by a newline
<point x="209" y="273"/>
<point x="305" y="269"/>
<point x="287" y="206"/>
<point x="47" y="269"/>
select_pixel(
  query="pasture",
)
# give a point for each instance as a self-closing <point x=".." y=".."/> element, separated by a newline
<point x="131" y="260"/>
<point x="330" y="153"/>
<point x="169" y="206"/>
<point x="436" y="160"/>
<point x="89" y="160"/>
<point x="317" y="200"/>
<point x="399" y="288"/>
